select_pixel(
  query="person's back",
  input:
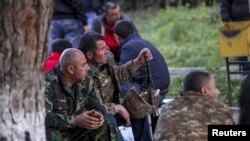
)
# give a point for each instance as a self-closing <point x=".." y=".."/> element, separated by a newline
<point x="234" y="10"/>
<point x="58" y="46"/>
<point x="130" y="48"/>
<point x="158" y="66"/>
<point x="130" y="45"/>
<point x="244" y="102"/>
<point x="187" y="116"/>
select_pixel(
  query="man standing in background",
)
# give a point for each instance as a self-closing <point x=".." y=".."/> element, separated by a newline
<point x="68" y="22"/>
<point x="235" y="11"/>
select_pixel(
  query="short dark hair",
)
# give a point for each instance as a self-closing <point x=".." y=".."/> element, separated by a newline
<point x="195" y="80"/>
<point x="60" y="45"/>
<point x="109" y="5"/>
<point x="88" y="41"/>
<point x="124" y="28"/>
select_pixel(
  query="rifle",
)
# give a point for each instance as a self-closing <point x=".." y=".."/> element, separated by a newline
<point x="152" y="97"/>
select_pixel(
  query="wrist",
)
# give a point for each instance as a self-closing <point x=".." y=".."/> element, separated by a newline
<point x="136" y="63"/>
<point x="117" y="109"/>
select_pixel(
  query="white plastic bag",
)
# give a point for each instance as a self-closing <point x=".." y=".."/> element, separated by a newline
<point x="126" y="133"/>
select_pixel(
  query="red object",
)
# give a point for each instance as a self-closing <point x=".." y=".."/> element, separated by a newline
<point x="52" y="61"/>
<point x="110" y="38"/>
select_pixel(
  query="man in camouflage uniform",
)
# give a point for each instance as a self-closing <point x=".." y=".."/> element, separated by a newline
<point x="186" y="117"/>
<point x="73" y="112"/>
<point x="107" y="76"/>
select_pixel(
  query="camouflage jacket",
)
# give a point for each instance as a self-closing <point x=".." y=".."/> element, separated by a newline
<point x="108" y="78"/>
<point x="62" y="107"/>
<point x="186" y="118"/>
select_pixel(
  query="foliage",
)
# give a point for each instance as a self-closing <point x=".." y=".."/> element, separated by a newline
<point x="188" y="38"/>
<point x="223" y="87"/>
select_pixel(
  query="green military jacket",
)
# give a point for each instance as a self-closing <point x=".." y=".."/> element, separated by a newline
<point x="62" y="107"/>
<point x="186" y="118"/>
<point x="108" y="79"/>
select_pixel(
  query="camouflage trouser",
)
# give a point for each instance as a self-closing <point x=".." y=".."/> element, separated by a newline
<point x="77" y="134"/>
<point x="113" y="127"/>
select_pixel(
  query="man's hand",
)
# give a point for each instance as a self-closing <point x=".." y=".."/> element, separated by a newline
<point x="122" y="111"/>
<point x="89" y="120"/>
<point x="145" y="55"/>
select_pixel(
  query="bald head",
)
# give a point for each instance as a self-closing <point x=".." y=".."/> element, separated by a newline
<point x="68" y="57"/>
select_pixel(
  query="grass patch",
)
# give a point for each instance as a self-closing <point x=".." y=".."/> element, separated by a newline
<point x="188" y="38"/>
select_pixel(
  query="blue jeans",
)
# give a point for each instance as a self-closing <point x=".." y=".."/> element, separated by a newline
<point x="70" y="29"/>
<point x="91" y="17"/>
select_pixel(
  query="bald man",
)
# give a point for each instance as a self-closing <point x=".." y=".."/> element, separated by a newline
<point x="73" y="112"/>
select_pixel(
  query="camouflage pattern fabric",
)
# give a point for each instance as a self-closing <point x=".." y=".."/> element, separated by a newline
<point x="78" y="134"/>
<point x="186" y="118"/>
<point x="107" y="79"/>
<point x="136" y="105"/>
<point x="63" y="105"/>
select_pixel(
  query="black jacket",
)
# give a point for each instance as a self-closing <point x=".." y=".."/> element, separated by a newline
<point x="69" y="9"/>
<point x="235" y="10"/>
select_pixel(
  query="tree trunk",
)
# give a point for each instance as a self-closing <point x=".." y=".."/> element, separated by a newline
<point x="24" y="25"/>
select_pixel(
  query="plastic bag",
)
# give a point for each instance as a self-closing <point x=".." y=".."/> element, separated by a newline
<point x="126" y="133"/>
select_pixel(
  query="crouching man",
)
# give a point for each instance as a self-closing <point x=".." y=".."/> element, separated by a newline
<point x="73" y="112"/>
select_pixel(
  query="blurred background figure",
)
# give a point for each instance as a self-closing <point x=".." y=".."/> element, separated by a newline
<point x="93" y="8"/>
<point x="104" y="25"/>
<point x="58" y="46"/>
<point x="235" y="11"/>
<point x="68" y="22"/>
<point x="244" y="101"/>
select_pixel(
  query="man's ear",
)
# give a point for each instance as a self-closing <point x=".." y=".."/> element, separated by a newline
<point x="89" y="55"/>
<point x="117" y="38"/>
<point x="70" y="69"/>
<point x="203" y="90"/>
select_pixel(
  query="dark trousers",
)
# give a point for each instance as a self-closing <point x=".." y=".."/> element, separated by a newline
<point x="141" y="129"/>
<point x="103" y="133"/>
<point x="243" y="67"/>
